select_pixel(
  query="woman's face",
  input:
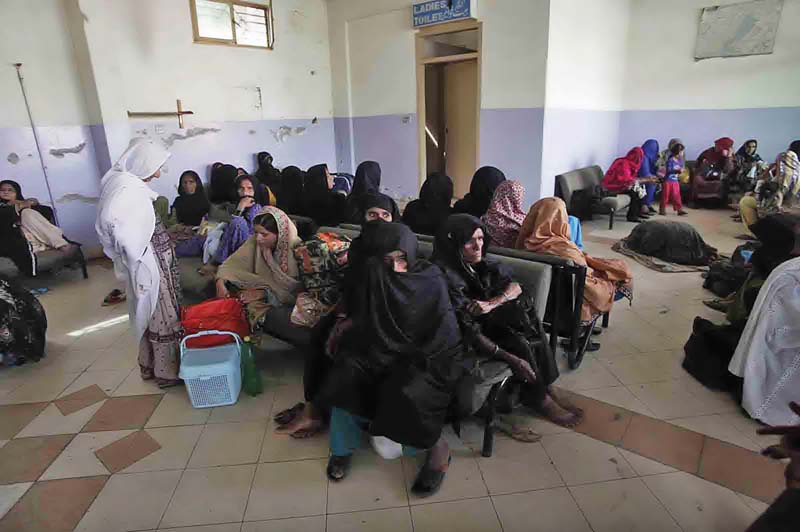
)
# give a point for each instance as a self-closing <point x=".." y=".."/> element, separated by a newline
<point x="397" y="261"/>
<point x="7" y="192"/>
<point x="376" y="213"/>
<point x="329" y="177"/>
<point x="188" y="184"/>
<point x="750" y="147"/>
<point x="266" y="240"/>
<point x="246" y="189"/>
<point x="473" y="249"/>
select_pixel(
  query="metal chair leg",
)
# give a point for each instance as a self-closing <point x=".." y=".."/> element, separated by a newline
<point x="491" y="409"/>
<point x="611" y="220"/>
<point x="606" y="317"/>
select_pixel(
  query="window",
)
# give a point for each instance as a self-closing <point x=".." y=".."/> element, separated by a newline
<point x="232" y="23"/>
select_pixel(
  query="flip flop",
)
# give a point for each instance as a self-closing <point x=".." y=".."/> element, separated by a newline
<point x="284" y="417"/>
<point x="307" y="433"/>
<point x="114" y="297"/>
<point x="523" y="434"/>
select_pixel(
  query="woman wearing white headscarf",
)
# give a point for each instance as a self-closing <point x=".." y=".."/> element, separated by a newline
<point x="136" y="240"/>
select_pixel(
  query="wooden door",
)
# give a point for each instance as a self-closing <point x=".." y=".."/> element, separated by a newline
<point x="461" y="121"/>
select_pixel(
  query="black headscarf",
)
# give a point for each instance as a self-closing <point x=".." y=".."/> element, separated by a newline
<point x="795" y="147"/>
<point x="481" y="191"/>
<point x="319" y="203"/>
<point x="267" y="174"/>
<point x="16" y="187"/>
<point x="776" y="233"/>
<point x="381" y="201"/>
<point x="366" y="182"/>
<point x="425" y="215"/>
<point x="260" y="192"/>
<point x="290" y="199"/>
<point x="482" y="281"/>
<point x="222" y="187"/>
<point x="190" y="208"/>
<point x="44" y="210"/>
<point x="745" y="157"/>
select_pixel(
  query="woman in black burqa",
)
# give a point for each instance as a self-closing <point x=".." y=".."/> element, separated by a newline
<point x="426" y="214"/>
<point x="320" y="203"/>
<point x="290" y="200"/>
<point x="268" y="175"/>
<point x="481" y="191"/>
<point x="398" y="362"/>
<point x="498" y="320"/>
<point x="23" y="325"/>
<point x="191" y="204"/>
<point x="367" y="182"/>
<point x="222" y="186"/>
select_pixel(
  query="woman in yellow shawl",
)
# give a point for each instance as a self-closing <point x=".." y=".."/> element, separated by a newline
<point x="263" y="269"/>
<point x="546" y="230"/>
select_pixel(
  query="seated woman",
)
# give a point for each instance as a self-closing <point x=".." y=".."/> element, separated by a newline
<point x="38" y="231"/>
<point x="379" y="207"/>
<point x="775" y="191"/>
<point x="268" y="175"/>
<point x="290" y="200"/>
<point x="621" y="178"/>
<point x="222" y="185"/>
<point x="23" y="325"/>
<point x="263" y="270"/>
<point x="767" y="357"/>
<point x="748" y="165"/>
<point x="191" y="205"/>
<point x="319" y="202"/>
<point x="366" y="182"/>
<point x="505" y="215"/>
<point x="546" y="230"/>
<point x="484" y="183"/>
<point x="712" y="170"/>
<point x="498" y="321"/>
<point x="425" y="215"/>
<point x="396" y="367"/>
<point x="648" y="173"/>
<point x="240" y="228"/>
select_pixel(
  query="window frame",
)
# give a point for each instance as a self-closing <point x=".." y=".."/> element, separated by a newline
<point x="267" y="7"/>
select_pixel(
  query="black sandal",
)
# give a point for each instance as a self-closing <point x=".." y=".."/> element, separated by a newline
<point x="284" y="417"/>
<point x="429" y="480"/>
<point x="338" y="467"/>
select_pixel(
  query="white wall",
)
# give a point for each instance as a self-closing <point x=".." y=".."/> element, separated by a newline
<point x="662" y="72"/>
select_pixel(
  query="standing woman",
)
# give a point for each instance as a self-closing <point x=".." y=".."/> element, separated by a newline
<point x="481" y="190"/>
<point x="648" y="172"/>
<point x="136" y="240"/>
<point x="320" y="203"/>
<point x="505" y="215"/>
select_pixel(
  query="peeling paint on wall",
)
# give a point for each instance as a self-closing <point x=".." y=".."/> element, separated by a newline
<point x="59" y="153"/>
<point x="252" y="132"/>
<point x="13" y="158"/>
<point x="283" y="133"/>
<point x="67" y="198"/>
<point x="190" y="133"/>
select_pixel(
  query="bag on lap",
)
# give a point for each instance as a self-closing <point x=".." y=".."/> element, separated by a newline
<point x="322" y="261"/>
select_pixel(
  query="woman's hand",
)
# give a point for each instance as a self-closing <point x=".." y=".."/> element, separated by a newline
<point x="341" y="326"/>
<point x="251" y="294"/>
<point x="245" y="202"/>
<point x="522" y="369"/>
<point x="479" y="308"/>
<point x="513" y="291"/>
<point x="222" y="290"/>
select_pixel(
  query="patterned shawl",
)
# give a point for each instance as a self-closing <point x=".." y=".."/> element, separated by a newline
<point x="505" y="215"/>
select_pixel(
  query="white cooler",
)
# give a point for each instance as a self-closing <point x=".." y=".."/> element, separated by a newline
<point x="213" y="375"/>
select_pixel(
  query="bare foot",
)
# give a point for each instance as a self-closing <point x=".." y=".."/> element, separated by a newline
<point x="562" y="401"/>
<point x="303" y="426"/>
<point x="558" y="415"/>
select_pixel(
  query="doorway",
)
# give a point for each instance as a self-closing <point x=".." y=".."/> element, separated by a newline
<point x="448" y="101"/>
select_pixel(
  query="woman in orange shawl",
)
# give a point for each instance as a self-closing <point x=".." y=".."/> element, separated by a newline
<point x="546" y="230"/>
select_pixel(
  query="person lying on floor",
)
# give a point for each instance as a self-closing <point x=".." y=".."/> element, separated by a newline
<point x="263" y="271"/>
<point x="38" y="231"/>
<point x="395" y="368"/>
<point x="497" y="319"/>
<point x="546" y="230"/>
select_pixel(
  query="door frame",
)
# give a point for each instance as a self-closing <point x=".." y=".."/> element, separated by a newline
<point x="450" y="27"/>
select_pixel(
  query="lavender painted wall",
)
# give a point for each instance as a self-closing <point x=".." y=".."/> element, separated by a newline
<point x="511" y="140"/>
<point x="774" y="128"/>
<point x="343" y="135"/>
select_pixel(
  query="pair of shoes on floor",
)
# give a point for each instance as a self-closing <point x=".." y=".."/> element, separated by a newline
<point x="428" y="481"/>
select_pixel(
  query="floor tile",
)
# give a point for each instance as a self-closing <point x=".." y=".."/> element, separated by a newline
<point x="71" y="360"/>
<point x="80" y="399"/>
<point x="53" y="506"/>
<point x="79" y="460"/>
<point x="717" y="427"/>
<point x="247" y="408"/>
<point x="126" y="451"/>
<point x="130" y="502"/>
<point x="591" y="374"/>
<point x="115" y="359"/>
<point x="228" y="444"/>
<point x="25" y="459"/>
<point x="675" y="399"/>
<point x="517" y="466"/>
<point x="227" y="527"/>
<point x="10" y="494"/>
<point x="663" y="442"/>
<point x="473" y="515"/>
<point x="644" y="368"/>
<point x="580" y="459"/>
<point x="52" y="421"/>
<point x="742" y="470"/>
<point x="619" y="396"/>
<point x="284" y="448"/>
<point x="106" y="380"/>
<point x="391" y="520"/>
<point x="42" y="387"/>
<point x="297" y="524"/>
<point x="209" y="496"/>
<point x="14" y="418"/>
<point x="372" y="483"/>
<point x="623" y="505"/>
<point x="463" y="480"/>
<point x="698" y="505"/>
<point x="553" y="510"/>
<point x="288" y="489"/>
<point x="176" y="409"/>
<point x="121" y="413"/>
<point x="644" y="466"/>
<point x="758" y="507"/>
<point x="134" y="385"/>
<point x="602" y="421"/>
<point x="177" y="444"/>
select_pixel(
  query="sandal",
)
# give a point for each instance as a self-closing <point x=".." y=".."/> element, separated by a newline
<point x="303" y="434"/>
<point x="523" y="434"/>
<point x="168" y="383"/>
<point x="339" y="467"/>
<point x="429" y="480"/>
<point x="114" y="297"/>
<point x="284" y="417"/>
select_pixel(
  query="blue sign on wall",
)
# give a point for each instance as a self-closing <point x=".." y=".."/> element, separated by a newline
<point x="438" y="11"/>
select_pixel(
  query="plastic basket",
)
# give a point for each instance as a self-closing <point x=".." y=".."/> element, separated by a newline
<point x="213" y="375"/>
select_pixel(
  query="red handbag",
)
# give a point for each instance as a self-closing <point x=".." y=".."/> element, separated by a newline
<point x="220" y="314"/>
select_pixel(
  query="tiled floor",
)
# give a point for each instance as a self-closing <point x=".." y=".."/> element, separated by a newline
<point x="86" y="445"/>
